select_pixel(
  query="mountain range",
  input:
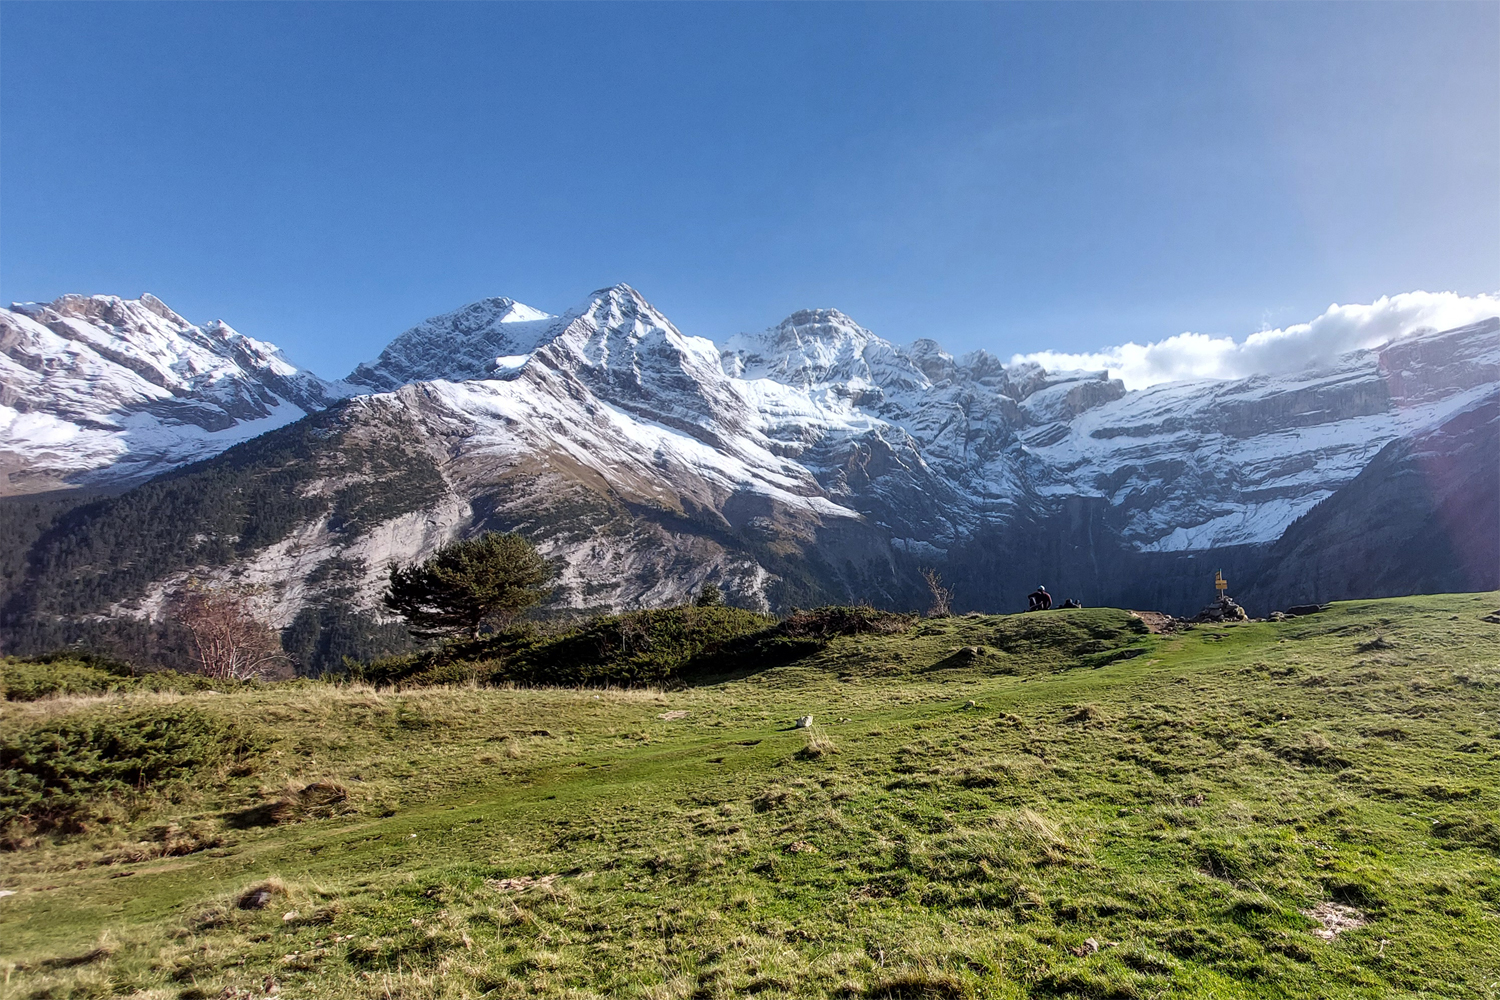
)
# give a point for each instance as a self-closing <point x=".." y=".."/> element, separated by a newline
<point x="810" y="463"/>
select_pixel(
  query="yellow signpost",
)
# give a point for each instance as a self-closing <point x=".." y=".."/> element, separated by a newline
<point x="1220" y="584"/>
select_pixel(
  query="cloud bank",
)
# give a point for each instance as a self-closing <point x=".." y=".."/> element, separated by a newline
<point x="1339" y="330"/>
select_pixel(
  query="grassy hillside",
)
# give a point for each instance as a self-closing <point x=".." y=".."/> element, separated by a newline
<point x="1026" y="806"/>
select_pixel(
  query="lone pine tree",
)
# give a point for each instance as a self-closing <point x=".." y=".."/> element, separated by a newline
<point x="465" y="584"/>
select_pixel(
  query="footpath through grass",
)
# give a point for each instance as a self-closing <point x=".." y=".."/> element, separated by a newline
<point x="1025" y="806"/>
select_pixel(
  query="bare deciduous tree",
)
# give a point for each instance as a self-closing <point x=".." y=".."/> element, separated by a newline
<point x="942" y="597"/>
<point x="230" y="643"/>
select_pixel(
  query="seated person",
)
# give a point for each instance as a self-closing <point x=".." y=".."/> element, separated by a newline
<point x="1039" y="599"/>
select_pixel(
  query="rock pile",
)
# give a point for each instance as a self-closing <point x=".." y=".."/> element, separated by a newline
<point x="1158" y="623"/>
<point x="1222" y="610"/>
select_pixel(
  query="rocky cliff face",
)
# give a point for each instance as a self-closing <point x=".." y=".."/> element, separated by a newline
<point x="812" y="462"/>
<point x="1422" y="517"/>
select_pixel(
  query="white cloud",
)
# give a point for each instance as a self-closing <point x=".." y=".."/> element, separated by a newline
<point x="1339" y="330"/>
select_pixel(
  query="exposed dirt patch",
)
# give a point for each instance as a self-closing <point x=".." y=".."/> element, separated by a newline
<point x="1334" y="919"/>
<point x="1157" y="622"/>
<point x="521" y="882"/>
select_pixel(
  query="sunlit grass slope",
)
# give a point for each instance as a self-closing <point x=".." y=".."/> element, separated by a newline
<point x="1025" y="806"/>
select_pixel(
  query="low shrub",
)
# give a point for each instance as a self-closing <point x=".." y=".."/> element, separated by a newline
<point x="57" y="775"/>
<point x="456" y="663"/>
<point x="634" y="649"/>
<point x="60" y="674"/>
<point x="71" y="673"/>
<point x="387" y="671"/>
<point x="800" y="635"/>
<point x="829" y="622"/>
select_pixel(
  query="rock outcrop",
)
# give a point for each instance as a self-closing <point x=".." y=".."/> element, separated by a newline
<point x="1222" y="610"/>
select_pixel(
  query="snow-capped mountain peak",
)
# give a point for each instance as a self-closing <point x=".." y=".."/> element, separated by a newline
<point x="819" y="347"/>
<point x="481" y="339"/>
<point x="623" y="349"/>
<point x="98" y="386"/>
<point x="149" y="338"/>
<point x="609" y="327"/>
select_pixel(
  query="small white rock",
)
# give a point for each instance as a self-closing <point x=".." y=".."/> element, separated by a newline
<point x="805" y="722"/>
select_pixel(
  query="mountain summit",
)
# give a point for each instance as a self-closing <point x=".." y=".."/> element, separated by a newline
<point x="98" y="390"/>
<point x="472" y="342"/>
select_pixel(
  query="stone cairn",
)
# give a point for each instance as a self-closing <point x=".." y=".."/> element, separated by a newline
<point x="1222" y="610"/>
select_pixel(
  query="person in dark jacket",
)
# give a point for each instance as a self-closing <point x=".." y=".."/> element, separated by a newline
<point x="1072" y="602"/>
<point x="1039" y="599"/>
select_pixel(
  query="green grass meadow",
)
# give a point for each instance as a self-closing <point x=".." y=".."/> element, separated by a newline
<point x="1050" y="805"/>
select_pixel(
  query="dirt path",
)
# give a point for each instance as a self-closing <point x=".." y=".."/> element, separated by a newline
<point x="1157" y="622"/>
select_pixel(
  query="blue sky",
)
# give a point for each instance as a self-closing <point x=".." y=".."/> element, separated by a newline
<point x="1013" y="177"/>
